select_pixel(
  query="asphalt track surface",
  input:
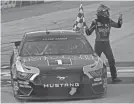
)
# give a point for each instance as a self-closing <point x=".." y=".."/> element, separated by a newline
<point x="17" y="21"/>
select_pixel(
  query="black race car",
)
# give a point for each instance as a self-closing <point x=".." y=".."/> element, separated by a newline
<point x="56" y="64"/>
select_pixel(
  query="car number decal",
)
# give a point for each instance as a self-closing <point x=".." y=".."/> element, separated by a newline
<point x="59" y="62"/>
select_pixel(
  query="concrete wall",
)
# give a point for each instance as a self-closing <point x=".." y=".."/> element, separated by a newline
<point x="6" y="4"/>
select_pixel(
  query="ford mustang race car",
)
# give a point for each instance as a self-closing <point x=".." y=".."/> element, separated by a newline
<point x="56" y="64"/>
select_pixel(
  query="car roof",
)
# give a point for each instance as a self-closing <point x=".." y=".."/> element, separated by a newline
<point x="53" y="32"/>
<point x="32" y="36"/>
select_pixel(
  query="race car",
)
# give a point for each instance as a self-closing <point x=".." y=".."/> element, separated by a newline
<point x="56" y="64"/>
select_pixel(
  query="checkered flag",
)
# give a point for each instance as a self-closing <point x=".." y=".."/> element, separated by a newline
<point x="80" y="22"/>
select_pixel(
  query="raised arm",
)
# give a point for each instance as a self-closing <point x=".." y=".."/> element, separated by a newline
<point x="117" y="25"/>
<point x="91" y="29"/>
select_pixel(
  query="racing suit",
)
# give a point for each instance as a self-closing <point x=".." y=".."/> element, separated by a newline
<point x="102" y="29"/>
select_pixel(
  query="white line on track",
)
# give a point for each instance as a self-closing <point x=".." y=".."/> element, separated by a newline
<point x="126" y="71"/>
<point x="4" y="67"/>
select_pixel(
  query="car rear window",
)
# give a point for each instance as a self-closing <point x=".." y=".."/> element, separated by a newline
<point x="56" y="47"/>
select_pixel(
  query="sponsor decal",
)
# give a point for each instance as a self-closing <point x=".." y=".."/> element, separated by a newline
<point x="61" y="78"/>
<point x="73" y="91"/>
<point x="60" y="38"/>
<point x="74" y="57"/>
<point x="60" y="68"/>
<point x="34" y="58"/>
<point x="106" y="25"/>
<point x="55" y="57"/>
<point x="97" y="79"/>
<point x="99" y="24"/>
<point x="61" y="85"/>
<point x="98" y="83"/>
<point x="105" y="30"/>
<point x="59" y="58"/>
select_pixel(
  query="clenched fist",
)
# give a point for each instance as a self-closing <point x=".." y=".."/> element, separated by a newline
<point x="120" y="19"/>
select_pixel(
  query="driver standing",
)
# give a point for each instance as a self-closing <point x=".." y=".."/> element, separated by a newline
<point x="102" y="26"/>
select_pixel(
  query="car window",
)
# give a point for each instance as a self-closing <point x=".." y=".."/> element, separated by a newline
<point x="60" y="47"/>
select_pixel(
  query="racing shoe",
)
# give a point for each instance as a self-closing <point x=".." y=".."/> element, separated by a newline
<point x="116" y="80"/>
